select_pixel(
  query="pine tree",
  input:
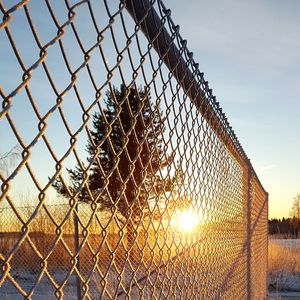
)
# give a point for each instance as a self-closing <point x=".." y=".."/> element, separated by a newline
<point x="126" y="151"/>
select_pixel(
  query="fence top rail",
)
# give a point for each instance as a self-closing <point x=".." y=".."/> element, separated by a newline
<point x="186" y="71"/>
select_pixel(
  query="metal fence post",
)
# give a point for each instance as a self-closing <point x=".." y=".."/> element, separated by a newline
<point x="76" y="243"/>
<point x="249" y="177"/>
<point x="267" y="261"/>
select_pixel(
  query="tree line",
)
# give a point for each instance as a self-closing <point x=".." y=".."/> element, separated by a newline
<point x="286" y="227"/>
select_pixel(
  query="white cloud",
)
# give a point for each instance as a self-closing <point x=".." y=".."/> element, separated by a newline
<point x="267" y="168"/>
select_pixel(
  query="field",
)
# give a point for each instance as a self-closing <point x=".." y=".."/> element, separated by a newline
<point x="284" y="266"/>
<point x="173" y="268"/>
<point x="162" y="262"/>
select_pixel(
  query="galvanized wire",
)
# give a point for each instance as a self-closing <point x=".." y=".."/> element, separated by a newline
<point x="120" y="176"/>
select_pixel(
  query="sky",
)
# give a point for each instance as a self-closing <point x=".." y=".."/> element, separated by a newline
<point x="249" y="52"/>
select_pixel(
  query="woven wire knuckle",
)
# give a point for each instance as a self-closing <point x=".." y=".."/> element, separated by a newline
<point x="120" y="175"/>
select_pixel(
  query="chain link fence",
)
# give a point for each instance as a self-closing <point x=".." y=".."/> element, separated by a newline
<point x="120" y="174"/>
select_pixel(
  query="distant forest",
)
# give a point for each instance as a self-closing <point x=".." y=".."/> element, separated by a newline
<point x="285" y="227"/>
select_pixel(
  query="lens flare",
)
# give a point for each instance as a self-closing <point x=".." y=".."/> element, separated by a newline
<point x="185" y="221"/>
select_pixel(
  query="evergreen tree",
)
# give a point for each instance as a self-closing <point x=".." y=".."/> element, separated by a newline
<point x="126" y="153"/>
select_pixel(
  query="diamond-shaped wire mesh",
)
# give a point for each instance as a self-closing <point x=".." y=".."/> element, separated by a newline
<point x="120" y="175"/>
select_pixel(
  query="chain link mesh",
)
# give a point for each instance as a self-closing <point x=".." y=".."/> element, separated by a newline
<point x="120" y="174"/>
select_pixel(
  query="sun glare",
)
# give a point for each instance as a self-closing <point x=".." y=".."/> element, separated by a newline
<point x="185" y="221"/>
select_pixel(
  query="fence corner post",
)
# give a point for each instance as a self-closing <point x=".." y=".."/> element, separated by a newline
<point x="76" y="244"/>
<point x="249" y="235"/>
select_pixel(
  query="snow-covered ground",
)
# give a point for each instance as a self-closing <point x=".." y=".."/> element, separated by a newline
<point x="44" y="289"/>
<point x="111" y="287"/>
<point x="284" y="269"/>
<point x="292" y="244"/>
<point x="284" y="296"/>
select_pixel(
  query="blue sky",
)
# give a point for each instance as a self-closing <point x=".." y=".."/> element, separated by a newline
<point x="249" y="52"/>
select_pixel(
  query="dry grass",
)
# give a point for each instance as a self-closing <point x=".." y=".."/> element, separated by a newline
<point x="98" y="249"/>
<point x="284" y="267"/>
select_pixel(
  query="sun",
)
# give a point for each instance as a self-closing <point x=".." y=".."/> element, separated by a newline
<point x="185" y="221"/>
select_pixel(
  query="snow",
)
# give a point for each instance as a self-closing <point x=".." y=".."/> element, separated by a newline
<point x="284" y="269"/>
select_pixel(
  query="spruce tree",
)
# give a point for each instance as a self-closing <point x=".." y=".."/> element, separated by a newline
<point x="126" y="152"/>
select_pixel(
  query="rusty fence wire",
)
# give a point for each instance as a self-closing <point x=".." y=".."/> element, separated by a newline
<point x="120" y="175"/>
